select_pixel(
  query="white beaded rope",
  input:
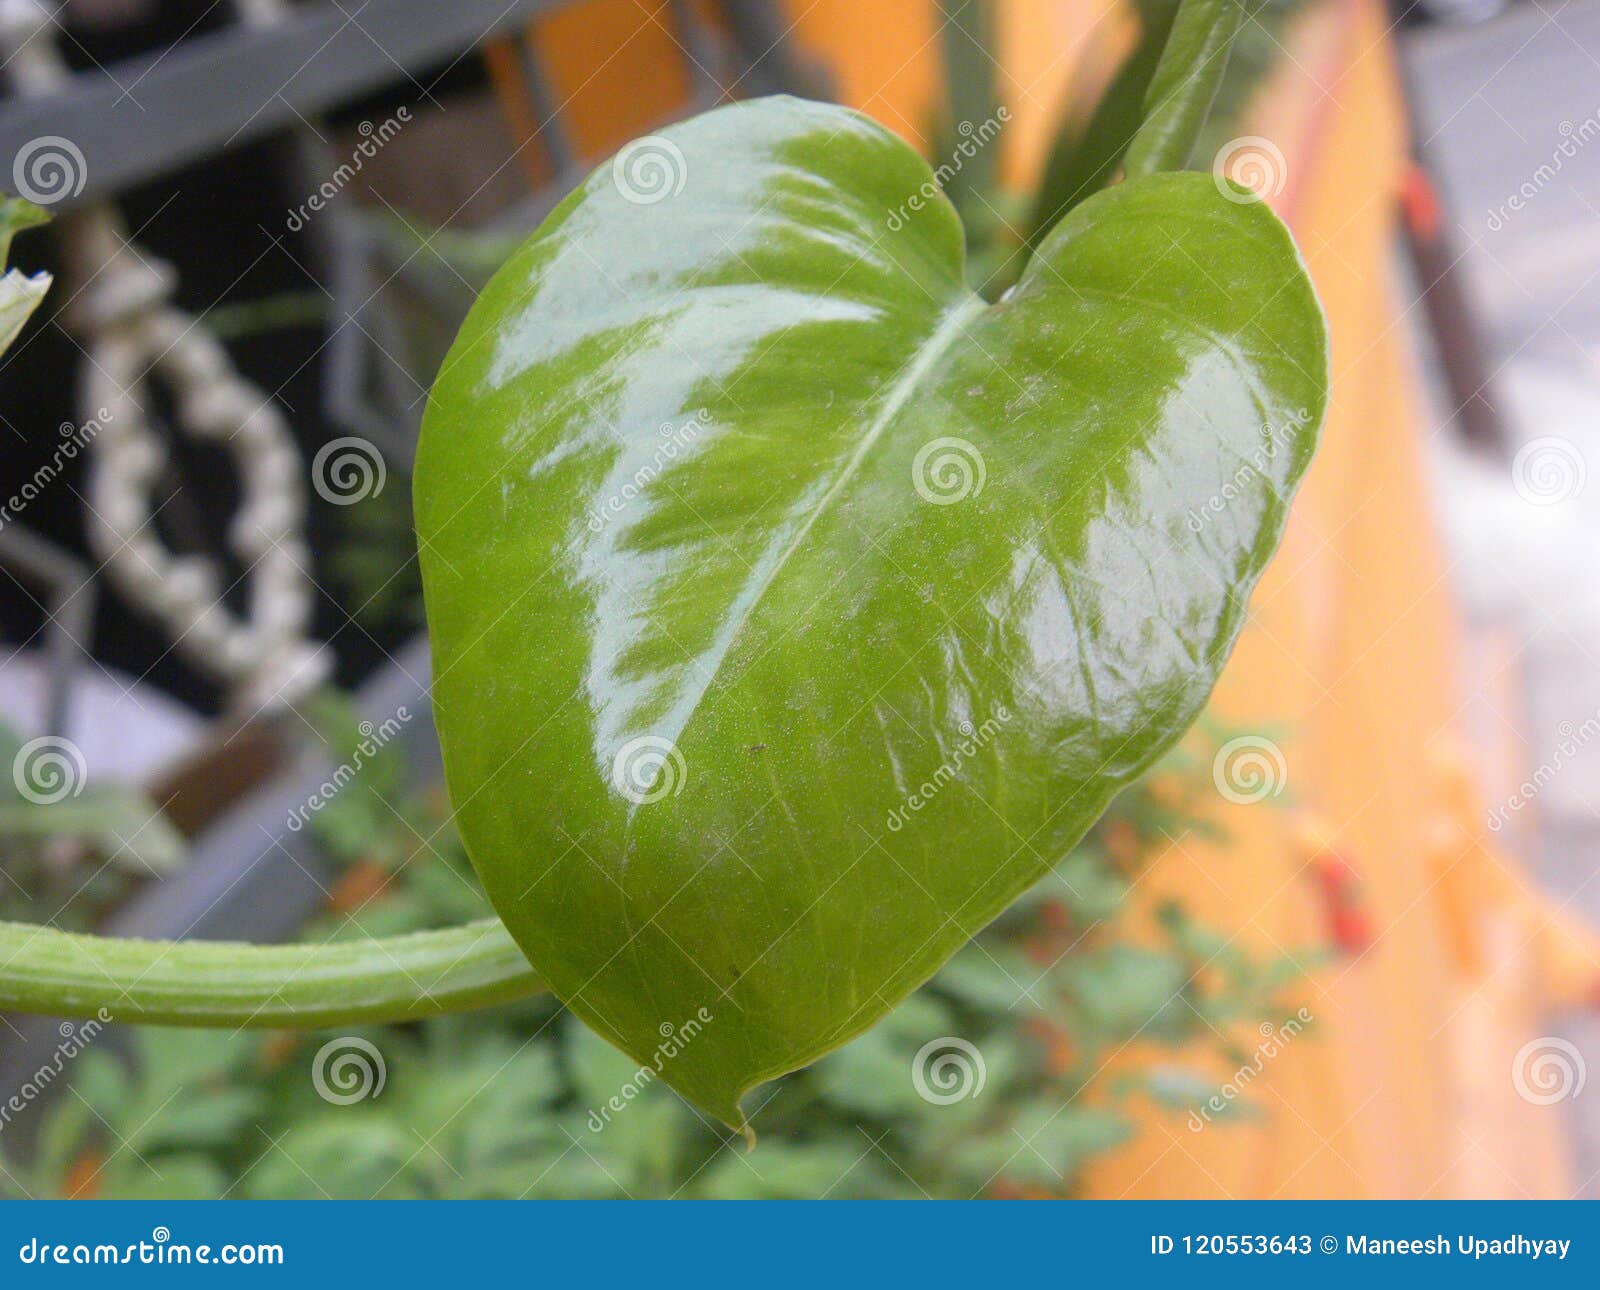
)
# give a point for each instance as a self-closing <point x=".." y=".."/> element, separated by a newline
<point x="130" y="333"/>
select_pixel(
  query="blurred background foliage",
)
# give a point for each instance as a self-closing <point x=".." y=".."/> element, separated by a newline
<point x="504" y="1102"/>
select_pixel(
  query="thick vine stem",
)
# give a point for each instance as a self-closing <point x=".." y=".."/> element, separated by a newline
<point x="228" y="985"/>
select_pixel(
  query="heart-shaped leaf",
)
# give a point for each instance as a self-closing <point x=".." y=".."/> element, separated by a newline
<point x="793" y="609"/>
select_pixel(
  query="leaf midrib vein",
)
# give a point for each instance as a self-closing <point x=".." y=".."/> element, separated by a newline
<point x="927" y="354"/>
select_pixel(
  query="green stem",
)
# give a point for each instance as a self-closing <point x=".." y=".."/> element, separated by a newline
<point x="224" y="984"/>
<point x="1185" y="83"/>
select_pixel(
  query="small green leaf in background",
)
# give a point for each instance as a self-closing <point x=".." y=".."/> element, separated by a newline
<point x="1080" y="162"/>
<point x="968" y="135"/>
<point x="126" y="827"/>
<point x="1085" y="155"/>
<point x="20" y="293"/>
<point x="1187" y="76"/>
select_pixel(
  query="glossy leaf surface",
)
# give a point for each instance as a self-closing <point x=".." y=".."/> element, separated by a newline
<point x="793" y="610"/>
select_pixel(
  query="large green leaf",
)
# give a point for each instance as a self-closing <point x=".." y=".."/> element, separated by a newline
<point x="793" y="610"/>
